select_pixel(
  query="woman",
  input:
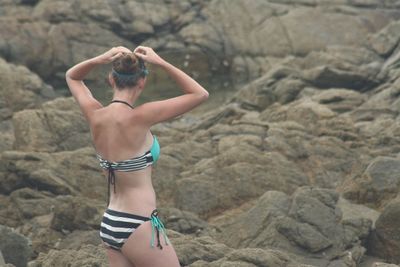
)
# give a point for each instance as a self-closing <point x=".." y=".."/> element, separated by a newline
<point x="131" y="230"/>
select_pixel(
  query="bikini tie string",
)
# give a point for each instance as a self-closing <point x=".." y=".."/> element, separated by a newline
<point x="157" y="226"/>
<point x="111" y="179"/>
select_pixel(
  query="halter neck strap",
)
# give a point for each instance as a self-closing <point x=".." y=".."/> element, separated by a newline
<point x="121" y="101"/>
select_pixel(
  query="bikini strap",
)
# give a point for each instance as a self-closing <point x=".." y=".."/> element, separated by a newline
<point x="123" y="102"/>
<point x="111" y="180"/>
<point x="157" y="226"/>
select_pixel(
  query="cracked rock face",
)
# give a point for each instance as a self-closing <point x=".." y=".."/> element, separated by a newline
<point x="298" y="167"/>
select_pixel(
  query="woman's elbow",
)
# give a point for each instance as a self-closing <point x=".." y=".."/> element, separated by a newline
<point x="205" y="95"/>
<point x="67" y="74"/>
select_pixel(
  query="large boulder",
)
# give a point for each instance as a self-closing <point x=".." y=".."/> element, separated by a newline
<point x="74" y="213"/>
<point x="88" y="255"/>
<point x="242" y="169"/>
<point x="339" y="100"/>
<point x="384" y="242"/>
<point x="21" y="89"/>
<point x="57" y="125"/>
<point x="379" y="183"/>
<point x="251" y="257"/>
<point x="184" y="222"/>
<point x="68" y="172"/>
<point x="385" y="41"/>
<point x="15" y="247"/>
<point x="308" y="224"/>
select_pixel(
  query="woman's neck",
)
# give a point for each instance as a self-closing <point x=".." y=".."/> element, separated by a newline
<point x="127" y="95"/>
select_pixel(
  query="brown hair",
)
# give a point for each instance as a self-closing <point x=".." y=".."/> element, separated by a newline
<point x="127" y="70"/>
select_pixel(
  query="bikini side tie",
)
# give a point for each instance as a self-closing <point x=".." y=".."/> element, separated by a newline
<point x="157" y="226"/>
<point x="111" y="179"/>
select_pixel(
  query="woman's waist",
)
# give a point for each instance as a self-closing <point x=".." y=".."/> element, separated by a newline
<point x="140" y="201"/>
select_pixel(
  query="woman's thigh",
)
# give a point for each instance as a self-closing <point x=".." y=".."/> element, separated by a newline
<point x="117" y="259"/>
<point x="138" y="250"/>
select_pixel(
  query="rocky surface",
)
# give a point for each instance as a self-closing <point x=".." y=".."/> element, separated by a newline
<point x="299" y="167"/>
<point x="14" y="247"/>
<point x="385" y="239"/>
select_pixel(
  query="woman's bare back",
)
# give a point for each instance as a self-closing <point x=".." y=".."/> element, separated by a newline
<point x="118" y="135"/>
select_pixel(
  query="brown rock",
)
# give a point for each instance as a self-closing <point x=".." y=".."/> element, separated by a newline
<point x="379" y="183"/>
<point x="21" y="89"/>
<point x="58" y="125"/>
<point x="87" y="255"/>
<point x="14" y="247"/>
<point x="384" y="242"/>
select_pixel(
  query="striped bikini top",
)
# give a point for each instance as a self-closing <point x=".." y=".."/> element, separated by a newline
<point x="132" y="164"/>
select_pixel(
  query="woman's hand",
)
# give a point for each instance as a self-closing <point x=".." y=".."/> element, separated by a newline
<point x="148" y="55"/>
<point x="112" y="54"/>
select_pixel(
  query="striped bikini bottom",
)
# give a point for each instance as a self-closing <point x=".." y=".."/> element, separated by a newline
<point x="117" y="226"/>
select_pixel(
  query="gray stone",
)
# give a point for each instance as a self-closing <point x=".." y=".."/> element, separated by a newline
<point x="73" y="213"/>
<point x="339" y="100"/>
<point x="309" y="223"/>
<point x="219" y="183"/>
<point x="190" y="250"/>
<point x="379" y="183"/>
<point x="385" y="41"/>
<point x="385" y="240"/>
<point x="87" y="255"/>
<point x="14" y="247"/>
<point x="21" y="89"/>
<point x="182" y="221"/>
<point x="328" y="77"/>
<point x="58" y="125"/>
<point x="2" y="262"/>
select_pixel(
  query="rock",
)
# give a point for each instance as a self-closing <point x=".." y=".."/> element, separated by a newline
<point x="55" y="11"/>
<point x="237" y="174"/>
<point x="303" y="235"/>
<point x="59" y="125"/>
<point x="38" y="230"/>
<point x="328" y="77"/>
<point x="60" y="45"/>
<point x="382" y="264"/>
<point x="14" y="247"/>
<point x="384" y="241"/>
<point x="304" y="41"/>
<point x="77" y="214"/>
<point x="385" y="41"/>
<point x="339" y="100"/>
<point x="21" y="89"/>
<point x="253" y="257"/>
<point x="70" y="172"/>
<point x="309" y="223"/>
<point x="30" y="203"/>
<point x="379" y="183"/>
<point x="385" y="97"/>
<point x="267" y="89"/>
<point x="2" y="262"/>
<point x="182" y="221"/>
<point x="79" y="238"/>
<point x="351" y="211"/>
<point x="305" y="111"/>
<point x="87" y="255"/>
<point x="7" y="137"/>
<point x="191" y="249"/>
<point x="169" y="166"/>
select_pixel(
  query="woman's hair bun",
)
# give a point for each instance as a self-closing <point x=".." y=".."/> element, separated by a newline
<point x="127" y="70"/>
<point x="127" y="63"/>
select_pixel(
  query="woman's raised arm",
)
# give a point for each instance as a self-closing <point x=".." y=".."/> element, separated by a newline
<point x="75" y="75"/>
<point x="159" y="111"/>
